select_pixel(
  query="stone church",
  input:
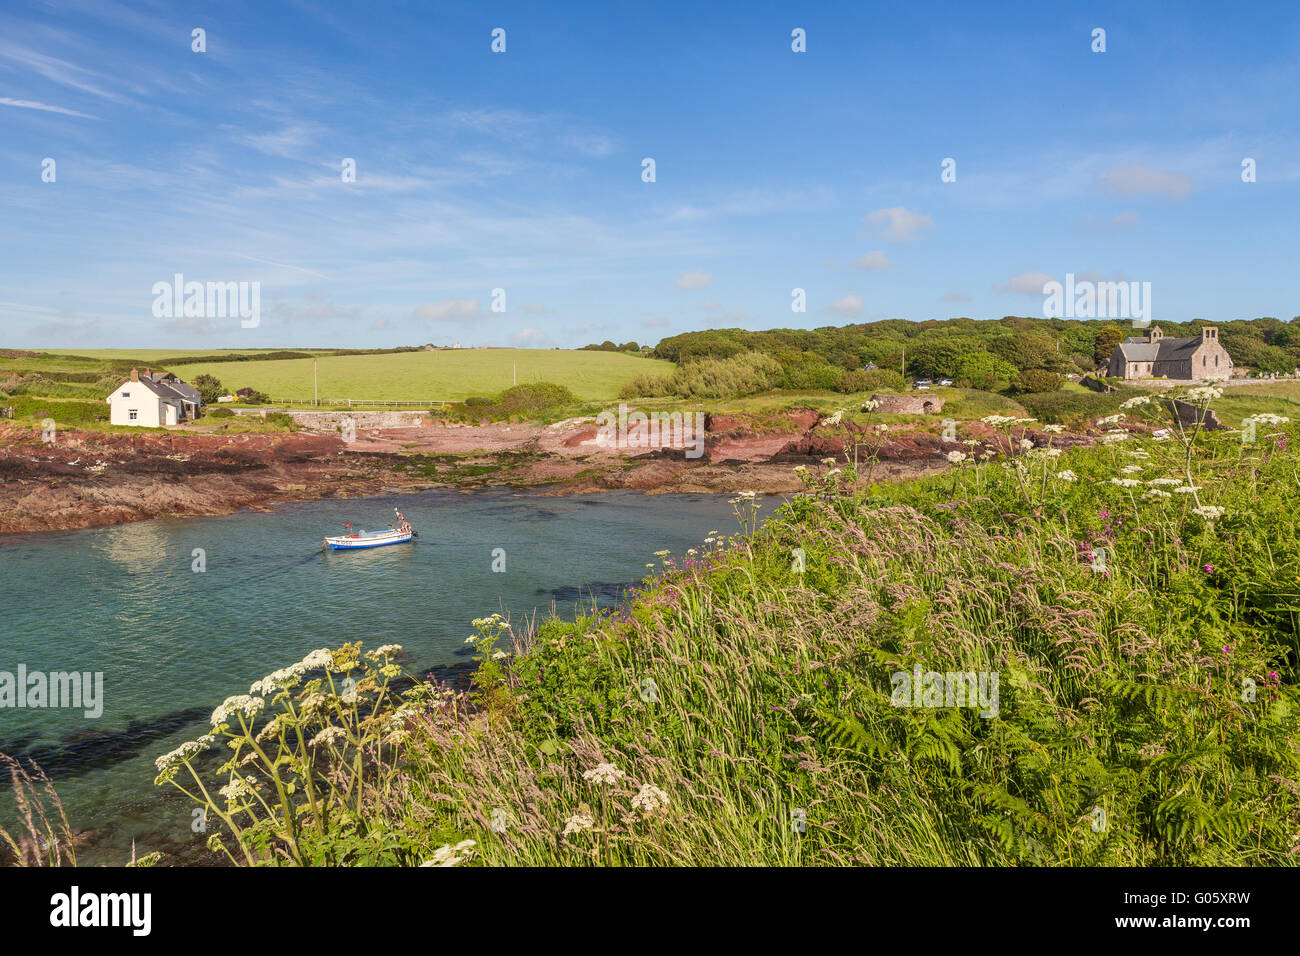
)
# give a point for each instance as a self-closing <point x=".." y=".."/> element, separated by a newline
<point x="1157" y="356"/>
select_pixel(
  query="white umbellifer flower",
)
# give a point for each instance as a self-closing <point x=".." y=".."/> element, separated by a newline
<point x="282" y="679"/>
<point x="386" y="649"/>
<point x="318" y="659"/>
<point x="997" y="421"/>
<point x="828" y="462"/>
<point x="1153" y="494"/>
<point x="649" y="799"/>
<point x="798" y="469"/>
<point x="1111" y="419"/>
<point x="328" y="736"/>
<point x="1209" y="512"/>
<point x="577" y="823"/>
<point x="1137" y="453"/>
<point x="1187" y="489"/>
<point x="603" y="773"/>
<point x="1126" y="482"/>
<point x="832" y="473"/>
<point x="870" y="405"/>
<point x="184" y="752"/>
<point x="1130" y="469"/>
<point x="1135" y="401"/>
<point x="1165" y="481"/>
<point x="1026" y="444"/>
<point x="448" y="855"/>
<point x="474" y="637"/>
<point x="1266" y="418"/>
<point x="1161" y="434"/>
<point x="1054" y="429"/>
<point x="243" y="704"/>
<point x="1110" y="437"/>
<point x="956" y="457"/>
<point x="1204" y="394"/>
<point x="1053" y="452"/>
<point x="239" y="788"/>
<point x="499" y="655"/>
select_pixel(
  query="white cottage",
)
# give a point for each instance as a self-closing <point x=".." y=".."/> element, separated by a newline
<point x="153" y="400"/>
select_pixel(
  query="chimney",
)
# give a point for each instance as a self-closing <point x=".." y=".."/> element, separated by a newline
<point x="135" y="375"/>
<point x="148" y="373"/>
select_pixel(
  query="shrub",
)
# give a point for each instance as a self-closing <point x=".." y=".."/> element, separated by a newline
<point x="220" y="413"/>
<point x="534" y="397"/>
<point x="645" y="385"/>
<point x="1060" y="408"/>
<point x="1038" y="380"/>
<point x="283" y="419"/>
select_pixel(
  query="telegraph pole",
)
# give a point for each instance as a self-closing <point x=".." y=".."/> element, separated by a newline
<point x="315" y="384"/>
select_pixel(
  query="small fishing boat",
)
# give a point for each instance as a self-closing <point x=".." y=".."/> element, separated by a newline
<point x="397" y="533"/>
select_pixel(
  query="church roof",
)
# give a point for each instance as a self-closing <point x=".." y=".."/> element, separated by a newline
<point x="1161" y="350"/>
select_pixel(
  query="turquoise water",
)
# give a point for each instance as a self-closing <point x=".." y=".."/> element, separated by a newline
<point x="173" y="642"/>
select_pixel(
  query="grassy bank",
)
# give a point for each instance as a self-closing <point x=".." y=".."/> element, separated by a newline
<point x="746" y="707"/>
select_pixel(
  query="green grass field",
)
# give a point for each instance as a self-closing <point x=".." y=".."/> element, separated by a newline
<point x="451" y="375"/>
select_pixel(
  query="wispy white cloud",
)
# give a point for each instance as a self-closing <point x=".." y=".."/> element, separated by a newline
<point x="872" y="262"/>
<point x="850" y="306"/>
<point x="899" y="223"/>
<point x="46" y="107"/>
<point x="447" y="309"/>
<point x="690" y="281"/>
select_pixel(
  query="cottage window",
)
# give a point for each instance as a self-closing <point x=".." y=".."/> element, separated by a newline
<point x="126" y="394"/>
<point x="1216" y="361"/>
<point x="1204" y="361"/>
<point x="133" y="414"/>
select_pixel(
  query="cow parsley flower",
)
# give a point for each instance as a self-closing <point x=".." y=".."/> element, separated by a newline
<point x="448" y="855"/>
<point x="328" y="736"/>
<point x="1209" y="512"/>
<point x="605" y="773"/>
<point x="577" y="823"/>
<point x="243" y="704"/>
<point x="1126" y="482"/>
<point x="956" y="457"/>
<point x="1065" y="474"/>
<point x="649" y="799"/>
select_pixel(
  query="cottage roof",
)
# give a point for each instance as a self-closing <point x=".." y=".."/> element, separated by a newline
<point x="167" y="387"/>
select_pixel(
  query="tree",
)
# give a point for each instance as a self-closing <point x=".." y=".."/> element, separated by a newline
<point x="985" y="371"/>
<point x="1109" y="337"/>
<point x="209" y="388"/>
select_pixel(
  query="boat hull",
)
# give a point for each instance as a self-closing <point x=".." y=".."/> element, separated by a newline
<point x="360" y="541"/>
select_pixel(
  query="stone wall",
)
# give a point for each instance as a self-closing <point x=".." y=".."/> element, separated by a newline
<point x="922" y="404"/>
<point x="333" y="421"/>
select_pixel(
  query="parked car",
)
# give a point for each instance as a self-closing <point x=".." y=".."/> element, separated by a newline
<point x="945" y="381"/>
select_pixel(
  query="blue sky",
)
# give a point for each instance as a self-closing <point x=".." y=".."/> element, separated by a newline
<point x="522" y="170"/>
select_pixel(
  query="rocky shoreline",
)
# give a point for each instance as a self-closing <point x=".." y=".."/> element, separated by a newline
<point x="86" y="479"/>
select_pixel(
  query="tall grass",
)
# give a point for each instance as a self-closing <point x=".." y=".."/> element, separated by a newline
<point x="739" y="710"/>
